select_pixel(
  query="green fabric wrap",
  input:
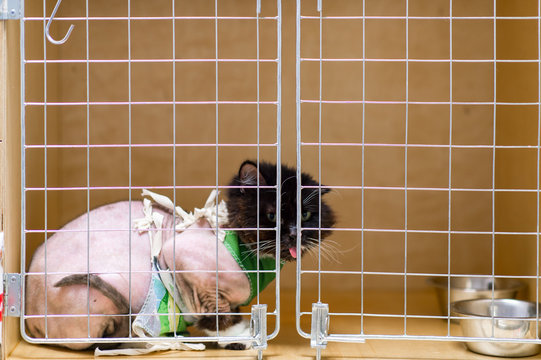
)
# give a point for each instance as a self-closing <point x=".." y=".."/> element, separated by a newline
<point x="247" y="261"/>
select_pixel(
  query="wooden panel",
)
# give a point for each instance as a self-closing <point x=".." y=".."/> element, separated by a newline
<point x="12" y="175"/>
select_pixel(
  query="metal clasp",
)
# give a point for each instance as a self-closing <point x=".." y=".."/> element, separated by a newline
<point x="320" y="326"/>
<point x="12" y="295"/>
<point x="258" y="328"/>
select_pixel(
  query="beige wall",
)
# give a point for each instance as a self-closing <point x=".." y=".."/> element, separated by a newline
<point x="384" y="166"/>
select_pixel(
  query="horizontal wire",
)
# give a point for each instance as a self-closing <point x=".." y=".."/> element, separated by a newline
<point x="422" y="60"/>
<point x="50" y="231"/>
<point x="391" y="273"/>
<point x="91" y="315"/>
<point x="159" y="60"/>
<point x="225" y="102"/>
<point x="368" y="17"/>
<point x="39" y="146"/>
<point x="202" y="102"/>
<point x="109" y="61"/>
<point x="412" y="188"/>
<point x="185" y="339"/>
<point x="413" y="231"/>
<point x="91" y="146"/>
<point x="403" y="102"/>
<point x="119" y="272"/>
<point x="418" y="316"/>
<point x="341" y="187"/>
<point x="136" y="18"/>
<point x="456" y="232"/>
<point x="150" y="187"/>
<point x="396" y="17"/>
<point x="413" y="145"/>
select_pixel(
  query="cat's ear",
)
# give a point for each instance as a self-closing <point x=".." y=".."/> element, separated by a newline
<point x="248" y="174"/>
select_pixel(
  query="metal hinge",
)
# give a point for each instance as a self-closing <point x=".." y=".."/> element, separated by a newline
<point x="258" y="328"/>
<point x="12" y="295"/>
<point x="10" y="9"/>
<point x="320" y="327"/>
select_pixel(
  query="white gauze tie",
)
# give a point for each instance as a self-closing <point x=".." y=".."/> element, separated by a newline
<point x="147" y="348"/>
<point x="216" y="215"/>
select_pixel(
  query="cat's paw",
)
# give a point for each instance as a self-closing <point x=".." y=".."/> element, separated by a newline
<point x="235" y="346"/>
<point x="241" y="329"/>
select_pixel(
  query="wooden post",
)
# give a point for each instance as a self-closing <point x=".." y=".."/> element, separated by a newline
<point x="10" y="163"/>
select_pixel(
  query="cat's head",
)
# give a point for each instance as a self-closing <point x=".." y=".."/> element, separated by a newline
<point x="242" y="207"/>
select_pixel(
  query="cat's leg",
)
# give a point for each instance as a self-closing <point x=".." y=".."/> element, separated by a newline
<point x="228" y="325"/>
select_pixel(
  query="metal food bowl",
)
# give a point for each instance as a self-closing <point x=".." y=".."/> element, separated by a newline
<point x="499" y="318"/>
<point x="466" y="288"/>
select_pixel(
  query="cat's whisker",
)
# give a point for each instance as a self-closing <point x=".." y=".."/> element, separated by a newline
<point x="291" y="177"/>
<point x="326" y="242"/>
<point x="327" y="255"/>
<point x="331" y="251"/>
<point x="310" y="196"/>
<point x="261" y="242"/>
<point x="334" y="245"/>
<point x="337" y="193"/>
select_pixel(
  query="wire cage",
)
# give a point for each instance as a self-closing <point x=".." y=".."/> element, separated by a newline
<point x="428" y="123"/>
<point x="422" y="118"/>
<point x="168" y="96"/>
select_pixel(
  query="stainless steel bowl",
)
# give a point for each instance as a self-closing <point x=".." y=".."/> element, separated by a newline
<point x="466" y="288"/>
<point x="499" y="318"/>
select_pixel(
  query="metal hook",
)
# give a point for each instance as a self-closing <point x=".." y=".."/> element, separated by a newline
<point x="49" y="37"/>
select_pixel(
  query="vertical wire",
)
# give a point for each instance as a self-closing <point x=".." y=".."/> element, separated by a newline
<point x="278" y="157"/>
<point x="362" y="164"/>
<point x="129" y="168"/>
<point x="298" y="148"/>
<point x="493" y="167"/>
<point x="320" y="9"/>
<point x="87" y="167"/>
<point x="45" y="153"/>
<point x="23" y="146"/>
<point x="450" y="167"/>
<point x="406" y="177"/>
<point x="538" y="154"/>
<point x="216" y="159"/>
<point x="258" y="184"/>
<point x="174" y="56"/>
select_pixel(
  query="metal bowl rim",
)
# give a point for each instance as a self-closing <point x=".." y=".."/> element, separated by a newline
<point x="436" y="282"/>
<point x="462" y="313"/>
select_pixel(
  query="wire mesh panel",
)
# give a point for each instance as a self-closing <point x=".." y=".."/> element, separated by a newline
<point x="423" y="119"/>
<point x="118" y="97"/>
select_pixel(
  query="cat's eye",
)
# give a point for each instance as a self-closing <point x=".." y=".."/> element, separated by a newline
<point x="306" y="215"/>
<point x="271" y="216"/>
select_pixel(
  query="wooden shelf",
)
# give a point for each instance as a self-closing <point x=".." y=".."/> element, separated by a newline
<point x="290" y="345"/>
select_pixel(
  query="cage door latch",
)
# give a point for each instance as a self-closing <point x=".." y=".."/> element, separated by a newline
<point x="12" y="295"/>
<point x="320" y="325"/>
<point x="10" y="9"/>
<point x="258" y="328"/>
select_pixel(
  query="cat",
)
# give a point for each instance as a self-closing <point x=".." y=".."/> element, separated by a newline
<point x="109" y="261"/>
<point x="242" y="205"/>
<point x="242" y="208"/>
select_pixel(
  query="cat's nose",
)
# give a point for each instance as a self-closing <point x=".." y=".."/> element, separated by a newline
<point x="292" y="232"/>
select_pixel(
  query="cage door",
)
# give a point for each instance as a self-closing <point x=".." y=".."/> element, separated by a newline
<point x="136" y="97"/>
<point x="403" y="112"/>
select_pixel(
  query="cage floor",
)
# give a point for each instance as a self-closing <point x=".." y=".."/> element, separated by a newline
<point x="290" y="345"/>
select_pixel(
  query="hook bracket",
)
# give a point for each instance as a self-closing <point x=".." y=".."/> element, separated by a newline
<point x="10" y="9"/>
<point x="48" y="35"/>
